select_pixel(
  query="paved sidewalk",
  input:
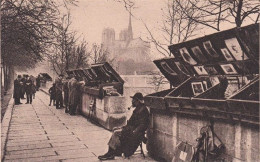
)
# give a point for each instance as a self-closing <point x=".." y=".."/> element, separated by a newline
<point x="38" y="132"/>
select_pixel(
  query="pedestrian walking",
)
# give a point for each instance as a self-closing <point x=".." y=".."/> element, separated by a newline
<point x="28" y="86"/>
<point x="52" y="92"/>
<point x="17" y="90"/>
<point x="58" y="88"/>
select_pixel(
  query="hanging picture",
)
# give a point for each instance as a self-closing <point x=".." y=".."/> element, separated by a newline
<point x="182" y="68"/>
<point x="226" y="54"/>
<point x="211" y="70"/>
<point x="200" y="70"/>
<point x="197" y="52"/>
<point x="186" y="56"/>
<point x="228" y="69"/>
<point x="167" y="68"/>
<point x="234" y="47"/>
<point x="210" y="50"/>
<point x="197" y="88"/>
<point x="214" y="81"/>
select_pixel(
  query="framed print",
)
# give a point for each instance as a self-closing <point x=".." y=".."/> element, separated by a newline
<point x="235" y="48"/>
<point x="197" y="88"/>
<point x="205" y="84"/>
<point x="167" y="68"/>
<point x="186" y="56"/>
<point x="197" y="52"/>
<point x="200" y="70"/>
<point x="214" y="81"/>
<point x="182" y="68"/>
<point x="211" y="70"/>
<point x="228" y="69"/>
<point x="210" y="50"/>
<point x="227" y="54"/>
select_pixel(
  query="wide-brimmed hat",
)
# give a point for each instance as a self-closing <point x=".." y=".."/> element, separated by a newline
<point x="138" y="96"/>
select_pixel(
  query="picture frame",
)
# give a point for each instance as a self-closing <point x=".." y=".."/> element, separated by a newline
<point x="227" y="54"/>
<point x="197" y="88"/>
<point x="211" y="70"/>
<point x="235" y="48"/>
<point x="181" y="68"/>
<point x="214" y="81"/>
<point x="186" y="56"/>
<point x="228" y="69"/>
<point x="197" y="52"/>
<point x="200" y="70"/>
<point x="167" y="68"/>
<point x="209" y="48"/>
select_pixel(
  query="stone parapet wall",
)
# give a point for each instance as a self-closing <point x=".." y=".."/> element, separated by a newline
<point x="110" y="111"/>
<point x="241" y="141"/>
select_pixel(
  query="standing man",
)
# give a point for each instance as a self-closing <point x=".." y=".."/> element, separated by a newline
<point x="126" y="139"/>
<point x="22" y="81"/>
<point x="28" y="86"/>
<point x="73" y="95"/>
<point x="38" y="82"/>
<point x="17" y="90"/>
<point x="66" y="94"/>
<point x="59" y="98"/>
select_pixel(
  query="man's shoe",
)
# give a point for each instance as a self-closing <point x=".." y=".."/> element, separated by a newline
<point x="27" y="103"/>
<point x="66" y="111"/>
<point x="107" y="157"/>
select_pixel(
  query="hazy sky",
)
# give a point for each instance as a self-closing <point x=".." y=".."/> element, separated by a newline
<point x="92" y="16"/>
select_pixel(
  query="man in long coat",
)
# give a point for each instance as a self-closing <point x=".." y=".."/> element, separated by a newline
<point x="59" y="98"/>
<point x="126" y="139"/>
<point x="17" y="90"/>
<point x="73" y="95"/>
<point x="66" y="94"/>
<point x="28" y="86"/>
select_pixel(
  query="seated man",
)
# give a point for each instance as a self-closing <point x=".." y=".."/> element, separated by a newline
<point x="127" y="139"/>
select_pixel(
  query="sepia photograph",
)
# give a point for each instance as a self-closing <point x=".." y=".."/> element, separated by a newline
<point x="186" y="56"/>
<point x="130" y="80"/>
<point x="197" y="52"/>
<point x="228" y="69"/>
<point x="227" y="54"/>
<point x="200" y="70"/>
<point x="197" y="88"/>
<point x="210" y="50"/>
<point x="235" y="48"/>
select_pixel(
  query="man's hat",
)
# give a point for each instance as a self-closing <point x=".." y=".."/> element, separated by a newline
<point x="138" y="96"/>
<point x="19" y="76"/>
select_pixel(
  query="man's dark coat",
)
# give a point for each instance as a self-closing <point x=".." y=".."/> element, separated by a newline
<point x="17" y="89"/>
<point x="138" y="123"/>
<point x="28" y="86"/>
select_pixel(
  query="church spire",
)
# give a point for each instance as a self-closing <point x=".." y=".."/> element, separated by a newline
<point x="130" y="31"/>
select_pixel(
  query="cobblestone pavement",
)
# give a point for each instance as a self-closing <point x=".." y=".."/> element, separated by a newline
<point x="38" y="132"/>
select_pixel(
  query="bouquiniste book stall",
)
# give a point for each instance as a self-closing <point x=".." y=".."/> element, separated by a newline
<point x="102" y="94"/>
<point x="215" y="81"/>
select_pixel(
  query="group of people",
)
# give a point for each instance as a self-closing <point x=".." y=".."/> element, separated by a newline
<point x="24" y="85"/>
<point x="66" y="92"/>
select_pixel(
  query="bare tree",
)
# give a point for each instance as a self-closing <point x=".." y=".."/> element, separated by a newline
<point x="100" y="54"/>
<point x="213" y="13"/>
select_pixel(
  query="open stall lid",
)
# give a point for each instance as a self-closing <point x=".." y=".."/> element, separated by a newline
<point x="229" y="52"/>
<point x="106" y="73"/>
<point x="46" y="76"/>
<point x="174" y="74"/>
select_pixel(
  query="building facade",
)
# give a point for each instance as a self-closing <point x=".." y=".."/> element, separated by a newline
<point x="130" y="55"/>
